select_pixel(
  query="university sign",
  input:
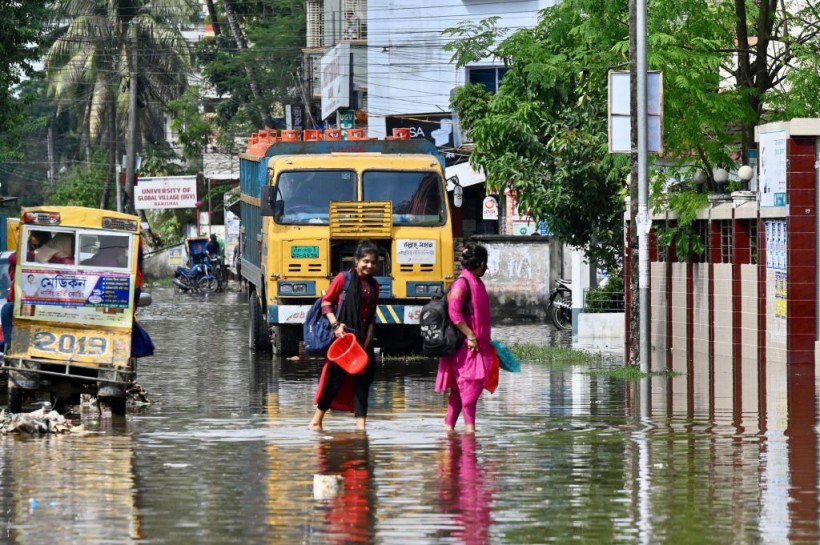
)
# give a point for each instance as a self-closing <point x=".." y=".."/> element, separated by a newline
<point x="165" y="192"/>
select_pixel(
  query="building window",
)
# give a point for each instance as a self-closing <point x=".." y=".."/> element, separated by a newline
<point x="726" y="241"/>
<point x="490" y="78"/>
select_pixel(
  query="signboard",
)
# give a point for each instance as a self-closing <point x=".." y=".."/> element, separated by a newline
<point x="90" y="298"/>
<point x="772" y="176"/>
<point x="294" y="117"/>
<point x="518" y="224"/>
<point x="165" y="192"/>
<point x="347" y="120"/>
<point x="489" y="209"/>
<point x="416" y="251"/>
<point x="435" y="127"/>
<point x="620" y="121"/>
<point x="335" y="69"/>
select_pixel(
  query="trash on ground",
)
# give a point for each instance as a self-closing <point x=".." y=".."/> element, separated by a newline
<point x="43" y="420"/>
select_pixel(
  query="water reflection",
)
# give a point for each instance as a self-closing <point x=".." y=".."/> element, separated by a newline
<point x="350" y="516"/>
<point x="725" y="453"/>
<point x="79" y="490"/>
<point x="465" y="492"/>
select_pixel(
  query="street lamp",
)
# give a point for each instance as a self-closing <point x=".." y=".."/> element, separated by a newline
<point x="721" y="176"/>
<point x="745" y="173"/>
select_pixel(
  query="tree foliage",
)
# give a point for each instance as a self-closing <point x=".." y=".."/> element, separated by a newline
<point x="96" y="45"/>
<point x="727" y="67"/>
<point x="82" y="185"/>
<point x="275" y="34"/>
<point x="21" y="30"/>
<point x="544" y="134"/>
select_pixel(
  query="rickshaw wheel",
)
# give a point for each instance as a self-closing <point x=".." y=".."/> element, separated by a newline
<point x="15" y="399"/>
<point x="116" y="404"/>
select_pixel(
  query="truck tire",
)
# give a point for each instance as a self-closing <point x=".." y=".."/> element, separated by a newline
<point x="257" y="335"/>
<point x="285" y="340"/>
<point x="404" y="339"/>
<point x="15" y="400"/>
<point x="116" y="404"/>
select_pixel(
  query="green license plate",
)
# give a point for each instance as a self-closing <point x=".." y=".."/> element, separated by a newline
<point x="304" y="252"/>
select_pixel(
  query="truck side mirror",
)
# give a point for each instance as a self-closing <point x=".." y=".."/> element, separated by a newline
<point x="458" y="191"/>
<point x="265" y="207"/>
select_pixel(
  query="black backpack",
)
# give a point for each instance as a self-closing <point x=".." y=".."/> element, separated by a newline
<point x="316" y="331"/>
<point x="438" y="334"/>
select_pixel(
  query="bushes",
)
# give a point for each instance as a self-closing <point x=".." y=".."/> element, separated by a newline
<point x="606" y="298"/>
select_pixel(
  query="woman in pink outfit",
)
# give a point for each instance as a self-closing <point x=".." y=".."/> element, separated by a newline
<point x="466" y="372"/>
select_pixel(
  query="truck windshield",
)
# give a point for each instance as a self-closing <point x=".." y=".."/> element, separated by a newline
<point x="416" y="196"/>
<point x="303" y="197"/>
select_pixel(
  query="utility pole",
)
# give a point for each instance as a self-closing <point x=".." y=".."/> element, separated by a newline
<point x="131" y="148"/>
<point x="50" y="145"/>
<point x="643" y="221"/>
<point x="640" y="221"/>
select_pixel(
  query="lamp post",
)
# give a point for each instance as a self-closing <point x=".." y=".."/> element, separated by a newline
<point x="721" y="176"/>
<point x="745" y="173"/>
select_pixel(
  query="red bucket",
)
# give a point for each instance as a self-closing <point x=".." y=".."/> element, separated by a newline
<point x="348" y="353"/>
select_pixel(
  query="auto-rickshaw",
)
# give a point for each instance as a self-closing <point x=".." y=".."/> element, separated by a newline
<point x="75" y="297"/>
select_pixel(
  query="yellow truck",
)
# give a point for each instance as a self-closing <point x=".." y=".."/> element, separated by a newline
<point x="304" y="206"/>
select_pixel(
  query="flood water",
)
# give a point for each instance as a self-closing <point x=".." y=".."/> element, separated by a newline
<point x="561" y="455"/>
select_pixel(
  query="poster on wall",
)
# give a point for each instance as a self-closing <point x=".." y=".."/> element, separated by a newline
<point x="776" y="245"/>
<point x="772" y="176"/>
<point x="781" y="301"/>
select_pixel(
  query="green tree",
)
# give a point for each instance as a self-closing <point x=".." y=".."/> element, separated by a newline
<point x="21" y="32"/>
<point x="81" y="185"/>
<point x="90" y="62"/>
<point x="254" y="64"/>
<point x="544" y="133"/>
<point x="727" y="67"/>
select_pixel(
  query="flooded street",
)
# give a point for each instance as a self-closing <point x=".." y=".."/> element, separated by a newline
<point x="561" y="455"/>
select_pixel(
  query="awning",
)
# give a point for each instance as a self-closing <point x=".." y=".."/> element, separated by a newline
<point x="466" y="175"/>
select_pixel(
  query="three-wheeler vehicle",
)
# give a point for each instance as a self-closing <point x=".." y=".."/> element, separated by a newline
<point x="75" y="296"/>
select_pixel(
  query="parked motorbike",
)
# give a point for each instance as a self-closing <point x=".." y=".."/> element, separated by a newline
<point x="560" y="307"/>
<point x="198" y="278"/>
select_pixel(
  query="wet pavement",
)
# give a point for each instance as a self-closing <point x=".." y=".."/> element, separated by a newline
<point x="562" y="455"/>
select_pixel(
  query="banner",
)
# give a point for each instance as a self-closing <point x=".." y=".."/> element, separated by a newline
<point x="91" y="298"/>
<point x="165" y="192"/>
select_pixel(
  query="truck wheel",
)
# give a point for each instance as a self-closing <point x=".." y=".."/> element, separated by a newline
<point x="15" y="400"/>
<point x="257" y="335"/>
<point x="285" y="340"/>
<point x="402" y="339"/>
<point x="116" y="404"/>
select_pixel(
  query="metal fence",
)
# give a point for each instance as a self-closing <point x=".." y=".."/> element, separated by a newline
<point x="597" y="300"/>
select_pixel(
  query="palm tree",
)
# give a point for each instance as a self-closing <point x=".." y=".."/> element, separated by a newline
<point x="89" y="63"/>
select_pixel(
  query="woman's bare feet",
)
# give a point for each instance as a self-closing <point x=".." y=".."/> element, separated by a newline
<point x="469" y="428"/>
<point x="361" y="422"/>
<point x="449" y="428"/>
<point x="316" y="421"/>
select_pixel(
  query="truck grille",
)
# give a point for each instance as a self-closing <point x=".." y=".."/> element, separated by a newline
<point x="355" y="220"/>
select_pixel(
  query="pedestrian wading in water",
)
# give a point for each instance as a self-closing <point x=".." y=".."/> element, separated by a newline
<point x="466" y="372"/>
<point x="339" y="390"/>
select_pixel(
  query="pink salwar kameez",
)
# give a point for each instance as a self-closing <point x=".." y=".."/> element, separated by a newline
<point x="465" y="373"/>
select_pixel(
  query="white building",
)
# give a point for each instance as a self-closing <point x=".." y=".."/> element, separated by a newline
<point x="408" y="71"/>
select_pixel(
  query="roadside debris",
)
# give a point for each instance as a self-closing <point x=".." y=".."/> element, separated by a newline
<point x="43" y="420"/>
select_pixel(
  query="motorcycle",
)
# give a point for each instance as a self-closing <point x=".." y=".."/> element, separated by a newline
<point x="199" y="277"/>
<point x="560" y="307"/>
